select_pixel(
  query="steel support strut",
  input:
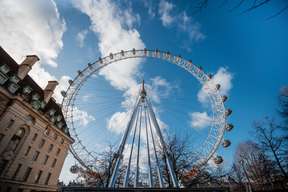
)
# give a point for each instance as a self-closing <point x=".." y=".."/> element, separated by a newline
<point x="165" y="149"/>
<point x="126" y="179"/>
<point x="121" y="147"/>
<point x="138" y="150"/>
<point x="160" y="178"/>
<point x="148" y="150"/>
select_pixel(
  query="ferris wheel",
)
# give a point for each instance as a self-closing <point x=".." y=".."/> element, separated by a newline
<point x="207" y="149"/>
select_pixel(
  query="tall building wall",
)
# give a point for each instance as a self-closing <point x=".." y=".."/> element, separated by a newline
<point x="34" y="139"/>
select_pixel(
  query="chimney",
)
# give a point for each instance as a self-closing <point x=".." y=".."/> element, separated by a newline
<point x="26" y="65"/>
<point x="49" y="90"/>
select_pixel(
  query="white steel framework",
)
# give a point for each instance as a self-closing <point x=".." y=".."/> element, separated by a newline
<point x="87" y="159"/>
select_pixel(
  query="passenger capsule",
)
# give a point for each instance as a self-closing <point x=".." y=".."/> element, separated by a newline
<point x="224" y="98"/>
<point x="210" y="76"/>
<point x="100" y="60"/>
<point x="111" y="55"/>
<point x="70" y="82"/>
<point x="229" y="127"/>
<point x="226" y="143"/>
<point x="218" y="160"/>
<point x="218" y="86"/>
<point x="79" y="73"/>
<point x="134" y="51"/>
<point x="122" y="52"/>
<point x="145" y="51"/>
<point x="63" y="93"/>
<point x="74" y="169"/>
<point x="228" y="112"/>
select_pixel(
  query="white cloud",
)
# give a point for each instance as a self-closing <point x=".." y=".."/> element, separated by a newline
<point x="114" y="28"/>
<point x="81" y="118"/>
<point x="165" y="9"/>
<point x="189" y="25"/>
<point x="81" y="36"/>
<point x="114" y="34"/>
<point x="200" y="119"/>
<point x="35" y="27"/>
<point x="222" y="77"/>
<point x="149" y="5"/>
<point x="87" y="97"/>
<point x="181" y="21"/>
<point x="31" y="27"/>
<point x="158" y="89"/>
<point x="118" y="122"/>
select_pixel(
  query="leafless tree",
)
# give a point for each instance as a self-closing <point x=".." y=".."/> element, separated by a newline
<point x="245" y="5"/>
<point x="283" y="100"/>
<point x="201" y="178"/>
<point x="236" y="176"/>
<point x="252" y="167"/>
<point x="101" y="176"/>
<point x="180" y="157"/>
<point x="270" y="141"/>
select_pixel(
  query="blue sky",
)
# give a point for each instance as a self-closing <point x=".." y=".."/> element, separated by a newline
<point x="251" y="49"/>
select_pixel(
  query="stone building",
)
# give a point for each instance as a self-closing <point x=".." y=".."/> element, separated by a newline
<point x="34" y="139"/>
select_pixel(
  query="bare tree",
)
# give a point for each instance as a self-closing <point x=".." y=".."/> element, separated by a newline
<point x="101" y="175"/>
<point x="245" y="5"/>
<point x="251" y="166"/>
<point x="199" y="177"/>
<point x="180" y="157"/>
<point x="283" y="100"/>
<point x="236" y="176"/>
<point x="271" y="142"/>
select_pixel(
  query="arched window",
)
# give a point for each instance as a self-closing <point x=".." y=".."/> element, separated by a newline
<point x="14" y="142"/>
<point x="11" y="148"/>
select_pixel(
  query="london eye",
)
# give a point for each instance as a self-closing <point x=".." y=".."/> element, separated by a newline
<point x="142" y="117"/>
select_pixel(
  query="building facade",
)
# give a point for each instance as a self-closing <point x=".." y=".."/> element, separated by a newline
<point x="34" y="139"/>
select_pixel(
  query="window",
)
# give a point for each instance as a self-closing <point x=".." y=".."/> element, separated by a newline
<point x="47" y="179"/>
<point x="15" y="140"/>
<point x="27" y="173"/>
<point x="35" y="156"/>
<point x="1" y="137"/>
<point x="55" y="136"/>
<point x="28" y="150"/>
<point x="38" y="176"/>
<point x="17" y="171"/>
<point x="20" y="132"/>
<point x="34" y="137"/>
<point x="50" y="148"/>
<point x="42" y="143"/>
<point x="3" y="165"/>
<point x="47" y="131"/>
<point x="10" y="124"/>
<point x="62" y="140"/>
<point x="58" y="151"/>
<point x="45" y="159"/>
<point x="54" y="163"/>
